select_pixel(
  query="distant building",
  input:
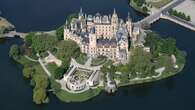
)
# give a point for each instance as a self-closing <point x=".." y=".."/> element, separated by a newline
<point x="105" y="35"/>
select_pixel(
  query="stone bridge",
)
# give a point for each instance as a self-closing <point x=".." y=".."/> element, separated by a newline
<point x="15" y="34"/>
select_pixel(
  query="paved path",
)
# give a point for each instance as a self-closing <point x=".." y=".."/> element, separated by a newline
<point x="14" y="33"/>
<point x="88" y="62"/>
<point x="33" y="60"/>
<point x="94" y="68"/>
<point x="44" y="67"/>
<point x="52" y="59"/>
<point x="147" y="78"/>
<point x="22" y="35"/>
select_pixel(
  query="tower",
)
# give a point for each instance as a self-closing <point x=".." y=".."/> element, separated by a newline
<point x="92" y="44"/>
<point x="114" y="22"/>
<point x="66" y="31"/>
<point x="129" y="24"/>
<point x="81" y="15"/>
<point x="114" y="19"/>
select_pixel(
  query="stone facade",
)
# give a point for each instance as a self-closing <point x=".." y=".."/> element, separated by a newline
<point x="106" y="35"/>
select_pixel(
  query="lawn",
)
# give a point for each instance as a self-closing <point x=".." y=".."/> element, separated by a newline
<point x="98" y="61"/>
<point x="79" y="97"/>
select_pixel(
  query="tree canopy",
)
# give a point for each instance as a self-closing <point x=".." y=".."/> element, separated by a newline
<point x="60" y="32"/>
<point x="14" y="51"/>
<point x="41" y="84"/>
<point x="28" y="39"/>
<point x="160" y="45"/>
<point x="43" y="42"/>
<point x="66" y="50"/>
<point x="59" y="72"/>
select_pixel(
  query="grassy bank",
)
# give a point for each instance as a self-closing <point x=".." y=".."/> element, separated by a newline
<point x="79" y="97"/>
<point x="164" y="76"/>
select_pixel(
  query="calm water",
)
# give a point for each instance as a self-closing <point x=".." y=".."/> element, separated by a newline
<point x="31" y="15"/>
<point x="176" y="93"/>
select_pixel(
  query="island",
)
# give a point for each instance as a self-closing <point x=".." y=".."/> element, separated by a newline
<point x="94" y="53"/>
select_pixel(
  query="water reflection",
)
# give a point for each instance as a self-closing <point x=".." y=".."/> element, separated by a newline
<point x="139" y="91"/>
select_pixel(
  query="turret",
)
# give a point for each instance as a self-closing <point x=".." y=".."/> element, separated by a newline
<point x="66" y="25"/>
<point x="66" y="31"/>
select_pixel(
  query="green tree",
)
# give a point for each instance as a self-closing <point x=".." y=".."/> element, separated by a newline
<point x="14" y="51"/>
<point x="104" y="69"/>
<point x="41" y="80"/>
<point x="41" y="83"/>
<point x="145" y="9"/>
<point x="43" y="42"/>
<point x="66" y="50"/>
<point x="168" y="46"/>
<point x="39" y="95"/>
<point x="28" y="72"/>
<point x="28" y="39"/>
<point x="59" y="72"/>
<point x="60" y="32"/>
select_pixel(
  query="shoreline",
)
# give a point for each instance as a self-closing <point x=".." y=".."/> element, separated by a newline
<point x="73" y="98"/>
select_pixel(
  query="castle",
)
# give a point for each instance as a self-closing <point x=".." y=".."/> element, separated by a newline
<point x="106" y="35"/>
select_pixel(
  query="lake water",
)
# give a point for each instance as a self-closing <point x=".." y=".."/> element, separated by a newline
<point x="175" y="93"/>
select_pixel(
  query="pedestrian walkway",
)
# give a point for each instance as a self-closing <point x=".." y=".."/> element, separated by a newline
<point x="44" y="67"/>
<point x="33" y="60"/>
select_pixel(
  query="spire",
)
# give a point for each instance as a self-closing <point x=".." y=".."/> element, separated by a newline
<point x="66" y="25"/>
<point x="129" y="17"/>
<point x="114" y="11"/>
<point x="81" y="10"/>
